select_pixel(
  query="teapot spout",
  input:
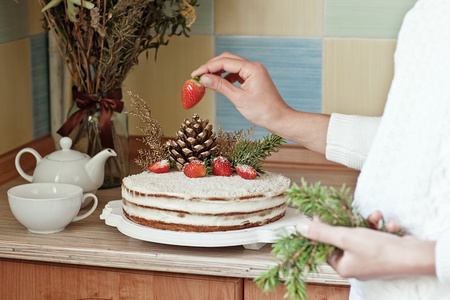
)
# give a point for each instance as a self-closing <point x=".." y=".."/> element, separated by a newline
<point x="95" y="167"/>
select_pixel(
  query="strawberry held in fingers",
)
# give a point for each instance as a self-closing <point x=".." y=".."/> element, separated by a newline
<point x="192" y="93"/>
<point x="161" y="166"/>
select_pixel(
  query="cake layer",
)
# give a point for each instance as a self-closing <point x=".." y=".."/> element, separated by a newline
<point x="202" y="206"/>
<point x="204" y="219"/>
<point x="201" y="228"/>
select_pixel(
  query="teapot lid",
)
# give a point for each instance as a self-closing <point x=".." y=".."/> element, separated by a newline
<point x="66" y="154"/>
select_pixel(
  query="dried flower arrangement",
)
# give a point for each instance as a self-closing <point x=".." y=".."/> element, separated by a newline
<point x="101" y="40"/>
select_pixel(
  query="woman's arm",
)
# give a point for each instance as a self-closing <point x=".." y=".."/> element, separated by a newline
<point x="259" y="101"/>
<point x="345" y="139"/>
<point x="350" y="138"/>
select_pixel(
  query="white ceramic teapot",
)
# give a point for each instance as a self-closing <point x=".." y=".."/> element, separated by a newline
<point x="68" y="166"/>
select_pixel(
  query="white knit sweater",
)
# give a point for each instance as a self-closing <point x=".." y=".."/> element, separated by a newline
<point x="405" y="154"/>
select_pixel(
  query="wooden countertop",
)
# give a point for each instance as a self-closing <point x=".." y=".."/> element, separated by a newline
<point x="91" y="242"/>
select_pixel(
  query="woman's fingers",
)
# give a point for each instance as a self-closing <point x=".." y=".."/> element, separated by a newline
<point x="233" y="77"/>
<point x="230" y="65"/>
<point x="392" y="227"/>
<point x="374" y="219"/>
<point x="323" y="233"/>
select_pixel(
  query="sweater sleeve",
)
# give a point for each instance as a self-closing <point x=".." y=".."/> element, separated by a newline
<point x="442" y="258"/>
<point x="349" y="139"/>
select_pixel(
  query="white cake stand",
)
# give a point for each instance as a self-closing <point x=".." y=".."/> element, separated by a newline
<point x="252" y="238"/>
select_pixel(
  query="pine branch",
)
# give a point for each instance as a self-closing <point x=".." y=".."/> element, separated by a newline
<point x="252" y="153"/>
<point x="298" y="256"/>
<point x="332" y="206"/>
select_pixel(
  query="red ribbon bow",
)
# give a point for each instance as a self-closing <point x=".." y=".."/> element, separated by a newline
<point x="112" y="102"/>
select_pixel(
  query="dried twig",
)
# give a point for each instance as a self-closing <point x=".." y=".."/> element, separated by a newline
<point x="152" y="133"/>
<point x="228" y="140"/>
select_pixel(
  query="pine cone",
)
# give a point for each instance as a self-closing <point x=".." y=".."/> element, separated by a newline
<point x="195" y="140"/>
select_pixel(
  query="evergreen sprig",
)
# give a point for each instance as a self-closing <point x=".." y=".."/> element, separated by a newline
<point x="331" y="205"/>
<point x="252" y="153"/>
<point x="298" y="256"/>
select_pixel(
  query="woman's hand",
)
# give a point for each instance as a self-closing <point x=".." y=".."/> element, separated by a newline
<point x="371" y="254"/>
<point x="259" y="101"/>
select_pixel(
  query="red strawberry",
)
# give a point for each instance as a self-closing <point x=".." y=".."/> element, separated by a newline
<point x="161" y="166"/>
<point x="246" y="172"/>
<point x="192" y="93"/>
<point x="221" y="167"/>
<point x="194" y="169"/>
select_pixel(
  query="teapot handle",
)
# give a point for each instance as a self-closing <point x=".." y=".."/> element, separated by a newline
<point x="19" y="167"/>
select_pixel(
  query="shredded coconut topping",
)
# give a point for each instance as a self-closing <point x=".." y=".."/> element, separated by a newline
<point x="177" y="184"/>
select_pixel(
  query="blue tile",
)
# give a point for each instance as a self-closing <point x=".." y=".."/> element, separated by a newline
<point x="13" y="20"/>
<point x="295" y="65"/>
<point x="40" y="81"/>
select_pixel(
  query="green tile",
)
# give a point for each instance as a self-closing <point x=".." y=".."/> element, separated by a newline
<point x="40" y="80"/>
<point x="13" y="20"/>
<point x="204" y="23"/>
<point x="365" y="19"/>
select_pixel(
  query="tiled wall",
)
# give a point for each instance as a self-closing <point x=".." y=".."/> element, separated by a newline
<point x="24" y="104"/>
<point x="323" y="55"/>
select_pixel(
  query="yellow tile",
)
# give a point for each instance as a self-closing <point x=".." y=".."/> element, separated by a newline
<point x="36" y="18"/>
<point x="268" y="17"/>
<point x="160" y="82"/>
<point x="16" y="124"/>
<point x="357" y="75"/>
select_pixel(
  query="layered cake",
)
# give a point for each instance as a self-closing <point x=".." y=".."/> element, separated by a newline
<point x="173" y="201"/>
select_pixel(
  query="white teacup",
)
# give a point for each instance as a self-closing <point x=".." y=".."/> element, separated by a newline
<point x="48" y="207"/>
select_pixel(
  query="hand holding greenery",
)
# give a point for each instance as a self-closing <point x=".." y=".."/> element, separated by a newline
<point x="299" y="256"/>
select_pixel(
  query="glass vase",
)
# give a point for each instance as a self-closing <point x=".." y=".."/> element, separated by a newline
<point x="86" y="138"/>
